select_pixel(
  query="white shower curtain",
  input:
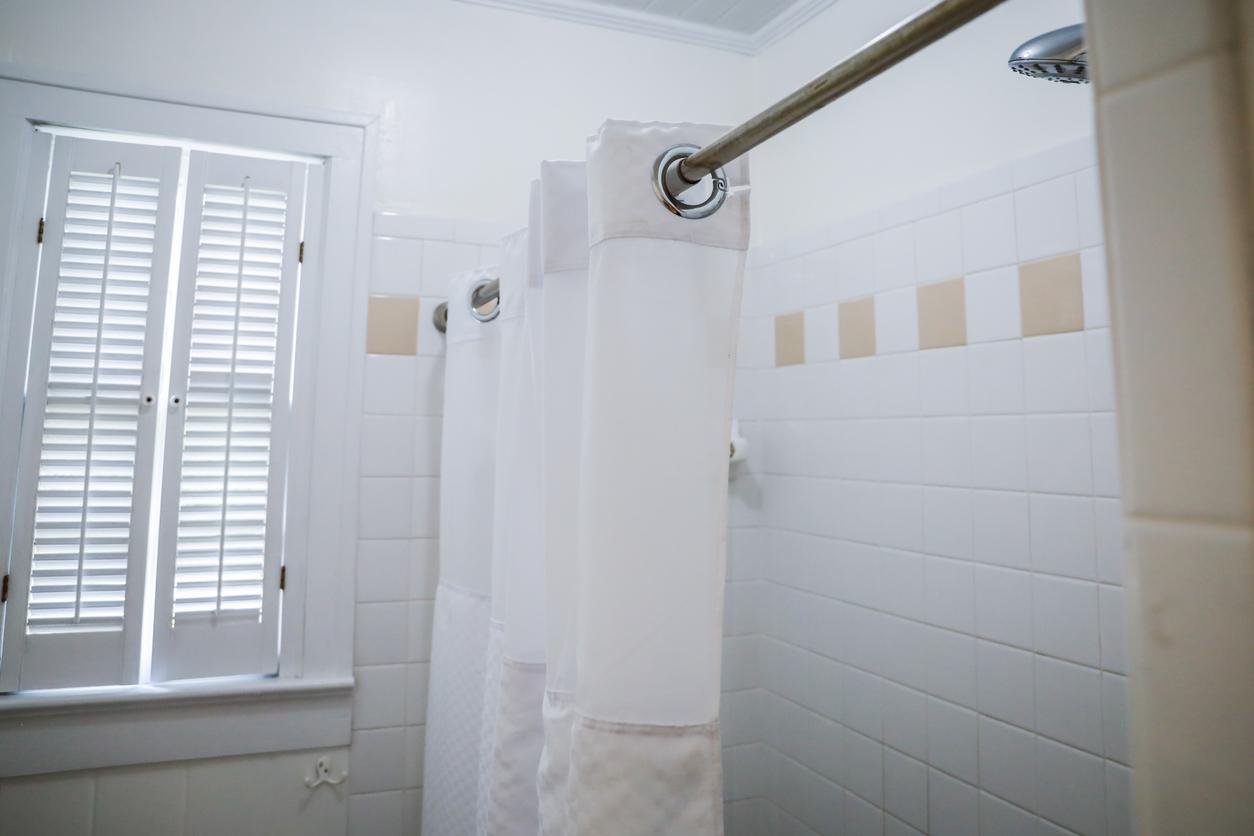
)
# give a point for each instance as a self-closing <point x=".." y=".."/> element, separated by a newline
<point x="597" y="708"/>
<point x="455" y="693"/>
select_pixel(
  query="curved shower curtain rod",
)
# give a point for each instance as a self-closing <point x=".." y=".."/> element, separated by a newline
<point x="679" y="168"/>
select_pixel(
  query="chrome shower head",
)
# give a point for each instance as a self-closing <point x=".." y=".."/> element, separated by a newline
<point x="1058" y="56"/>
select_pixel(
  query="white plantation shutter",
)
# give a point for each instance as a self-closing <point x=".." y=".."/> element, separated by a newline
<point x="217" y="608"/>
<point x="81" y="517"/>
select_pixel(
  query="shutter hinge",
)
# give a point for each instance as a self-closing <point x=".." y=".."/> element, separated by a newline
<point x="39" y="234"/>
<point x="4" y="589"/>
<point x="300" y="255"/>
<point x="282" y="579"/>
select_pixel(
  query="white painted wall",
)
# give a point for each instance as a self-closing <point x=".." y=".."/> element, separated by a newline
<point x="470" y="98"/>
<point x="950" y="111"/>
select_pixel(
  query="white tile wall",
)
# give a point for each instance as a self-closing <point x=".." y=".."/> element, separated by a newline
<point x="941" y="640"/>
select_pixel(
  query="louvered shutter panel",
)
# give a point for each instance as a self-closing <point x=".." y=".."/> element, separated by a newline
<point x="81" y="521"/>
<point x="217" y="610"/>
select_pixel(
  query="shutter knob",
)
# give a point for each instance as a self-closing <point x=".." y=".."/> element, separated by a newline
<point x="176" y="401"/>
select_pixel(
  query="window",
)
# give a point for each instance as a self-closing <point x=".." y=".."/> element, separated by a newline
<point x="147" y="536"/>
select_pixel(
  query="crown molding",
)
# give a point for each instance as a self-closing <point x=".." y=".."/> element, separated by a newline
<point x="660" y="26"/>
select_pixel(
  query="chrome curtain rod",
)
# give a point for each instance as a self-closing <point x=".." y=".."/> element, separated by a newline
<point x="680" y="168"/>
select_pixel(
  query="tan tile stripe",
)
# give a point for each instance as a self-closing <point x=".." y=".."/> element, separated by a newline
<point x="857" y="328"/>
<point x="1051" y="300"/>
<point x="942" y="314"/>
<point x="790" y="339"/>
<point x="392" y="325"/>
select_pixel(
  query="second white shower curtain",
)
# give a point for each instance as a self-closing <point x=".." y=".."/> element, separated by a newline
<point x="599" y="638"/>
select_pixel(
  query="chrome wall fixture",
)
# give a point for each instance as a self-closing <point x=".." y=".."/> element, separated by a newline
<point x="483" y="300"/>
<point x="1060" y="55"/>
<point x="679" y="169"/>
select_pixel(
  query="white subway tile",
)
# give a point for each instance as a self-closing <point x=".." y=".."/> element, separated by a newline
<point x="1119" y="813"/>
<point x="380" y="636"/>
<point x="1065" y="619"/>
<point x="379" y="696"/>
<point x="389" y="385"/>
<point x="988" y="234"/>
<point x="938" y="247"/>
<point x="1105" y="454"/>
<point x="953" y="806"/>
<point x="1070" y="787"/>
<point x="1088" y="194"/>
<point x="902" y="575"/>
<point x="1008" y="762"/>
<point x="376" y="813"/>
<point x="424" y="569"/>
<point x="951" y="666"/>
<point x="1067" y="158"/>
<point x="1003" y="605"/>
<point x="947" y="522"/>
<point x="864" y="703"/>
<point x="1000" y="528"/>
<point x="894" y="257"/>
<point x="387" y="445"/>
<point x="896" y="384"/>
<point x="417" y="680"/>
<point x="952" y="739"/>
<point x="378" y="759"/>
<point x="1054" y="373"/>
<point x="1004" y="819"/>
<point x="896" y="321"/>
<point x="1063" y="539"/>
<point x="383" y="569"/>
<point x="980" y="186"/>
<point x="48" y="804"/>
<point x="424" y="512"/>
<point x="1060" y="458"/>
<point x="1100" y="370"/>
<point x="385" y="504"/>
<point x="140" y="801"/>
<point x="1006" y="689"/>
<point x="855" y="269"/>
<point x="950" y="590"/>
<point x="863" y="767"/>
<point x="861" y="818"/>
<point x="947" y="451"/>
<point x="1093" y="287"/>
<point x="992" y="305"/>
<point x="1046" y="219"/>
<point x="1109" y="538"/>
<point x="905" y="719"/>
<point x="1114" y="642"/>
<point x="999" y="456"/>
<point x="943" y="381"/>
<point x="395" y="266"/>
<point x="1115" y="717"/>
<point x="822" y="334"/>
<point x="441" y="260"/>
<point x="996" y="377"/>
<point x="905" y="788"/>
<point x="1069" y="703"/>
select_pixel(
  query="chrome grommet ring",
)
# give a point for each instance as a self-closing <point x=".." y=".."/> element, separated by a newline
<point x="667" y="177"/>
<point x="482" y="293"/>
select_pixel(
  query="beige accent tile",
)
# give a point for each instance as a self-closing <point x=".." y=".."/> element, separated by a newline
<point x="1051" y="300"/>
<point x="857" y="328"/>
<point x="790" y="339"/>
<point x="392" y="325"/>
<point x="942" y="314"/>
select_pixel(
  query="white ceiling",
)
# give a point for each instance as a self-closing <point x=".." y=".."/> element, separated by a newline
<point x="738" y="25"/>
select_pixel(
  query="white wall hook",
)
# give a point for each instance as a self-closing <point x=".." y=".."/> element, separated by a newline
<point x="322" y="774"/>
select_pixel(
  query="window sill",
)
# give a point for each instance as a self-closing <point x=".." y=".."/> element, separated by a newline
<point x="89" y="728"/>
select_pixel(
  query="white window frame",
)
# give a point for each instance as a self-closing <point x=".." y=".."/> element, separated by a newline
<point x="308" y="704"/>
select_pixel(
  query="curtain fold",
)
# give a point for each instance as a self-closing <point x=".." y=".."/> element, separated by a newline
<point x="596" y="586"/>
<point x="663" y="305"/>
